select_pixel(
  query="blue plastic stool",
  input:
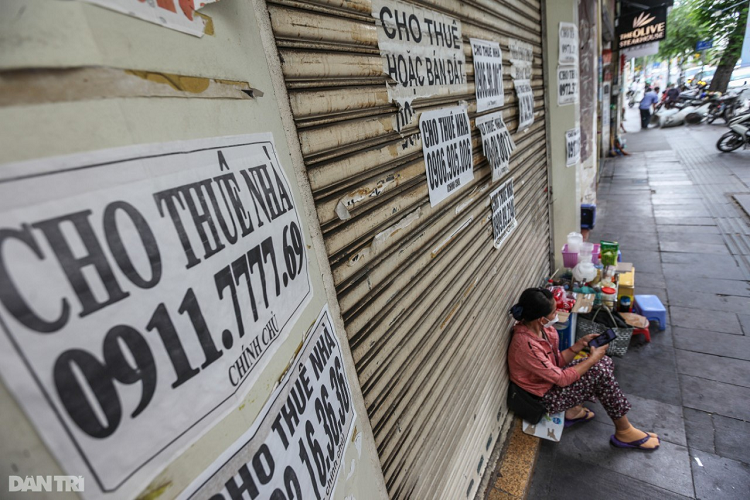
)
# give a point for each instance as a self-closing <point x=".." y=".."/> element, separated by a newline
<point x="651" y="307"/>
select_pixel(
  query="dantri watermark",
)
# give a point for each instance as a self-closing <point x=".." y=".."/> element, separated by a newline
<point x="45" y="483"/>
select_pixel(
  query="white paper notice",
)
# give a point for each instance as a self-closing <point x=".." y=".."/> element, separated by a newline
<point x="568" y="43"/>
<point x="175" y="14"/>
<point x="446" y="144"/>
<point x="503" y="213"/>
<point x="422" y="53"/>
<point x="497" y="144"/>
<point x="572" y="146"/>
<point x="488" y="74"/>
<point x="521" y="57"/>
<point x="295" y="448"/>
<point x="525" y="104"/>
<point x="567" y="85"/>
<point x="143" y="291"/>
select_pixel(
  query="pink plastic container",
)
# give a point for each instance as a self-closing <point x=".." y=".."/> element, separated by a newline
<point x="570" y="259"/>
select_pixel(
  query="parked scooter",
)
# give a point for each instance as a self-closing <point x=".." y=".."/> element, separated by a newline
<point x="738" y="135"/>
<point x="723" y="107"/>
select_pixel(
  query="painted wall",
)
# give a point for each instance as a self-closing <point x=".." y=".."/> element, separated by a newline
<point x="566" y="216"/>
<point x="51" y="113"/>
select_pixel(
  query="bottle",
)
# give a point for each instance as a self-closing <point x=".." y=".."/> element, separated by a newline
<point x="624" y="304"/>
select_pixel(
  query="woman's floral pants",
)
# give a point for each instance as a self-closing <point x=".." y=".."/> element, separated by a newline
<point x="597" y="383"/>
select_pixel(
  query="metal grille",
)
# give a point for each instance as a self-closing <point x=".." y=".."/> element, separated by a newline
<point x="423" y="292"/>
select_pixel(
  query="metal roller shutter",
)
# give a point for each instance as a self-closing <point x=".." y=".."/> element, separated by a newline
<point x="423" y="292"/>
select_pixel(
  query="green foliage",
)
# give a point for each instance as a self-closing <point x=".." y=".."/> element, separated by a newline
<point x="691" y="21"/>
<point x="684" y="30"/>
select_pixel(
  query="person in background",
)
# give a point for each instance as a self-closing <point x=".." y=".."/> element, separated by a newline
<point x="647" y="104"/>
<point x="561" y="383"/>
<point x="673" y="95"/>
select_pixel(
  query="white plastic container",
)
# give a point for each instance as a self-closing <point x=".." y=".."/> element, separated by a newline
<point x="575" y="240"/>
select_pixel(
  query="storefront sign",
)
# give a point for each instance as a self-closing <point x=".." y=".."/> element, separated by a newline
<point x="421" y="51"/>
<point x="446" y="144"/>
<point x="503" y="213"/>
<point x="488" y="74"/>
<point x="178" y="15"/>
<point x="497" y="144"/>
<point x="572" y="146"/>
<point x="644" y="27"/>
<point x="525" y="103"/>
<point x="295" y="448"/>
<point x="142" y="291"/>
<point x="567" y="85"/>
<point x="568" y="43"/>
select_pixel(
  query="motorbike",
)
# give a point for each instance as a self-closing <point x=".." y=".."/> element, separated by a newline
<point x="738" y="135"/>
<point x="631" y="98"/>
<point x="723" y="107"/>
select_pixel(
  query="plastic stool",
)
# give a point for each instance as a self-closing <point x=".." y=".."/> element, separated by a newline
<point x="651" y="307"/>
<point x="643" y="331"/>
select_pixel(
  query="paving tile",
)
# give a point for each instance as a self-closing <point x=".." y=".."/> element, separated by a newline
<point x="684" y="271"/>
<point x="648" y="280"/>
<point x="731" y="438"/>
<point x="688" y="230"/>
<point x="745" y="323"/>
<point x="671" y="183"/>
<point x="654" y="416"/>
<point x="720" y="478"/>
<point x="702" y="319"/>
<point x="713" y="367"/>
<point x="663" y="213"/>
<point x="661" y="385"/>
<point x="545" y="472"/>
<point x="724" y="287"/>
<point x="605" y="483"/>
<point x="693" y="247"/>
<point x="699" y="429"/>
<point x="707" y="300"/>
<point x="715" y="397"/>
<point x="643" y="358"/>
<point x="591" y="445"/>
<point x="699" y="259"/>
<point x="720" y="344"/>
<point x="680" y="237"/>
<point x="685" y="221"/>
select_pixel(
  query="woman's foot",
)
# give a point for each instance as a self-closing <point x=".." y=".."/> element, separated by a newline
<point x="634" y="438"/>
<point x="578" y="414"/>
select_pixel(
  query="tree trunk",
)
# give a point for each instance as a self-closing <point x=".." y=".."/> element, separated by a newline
<point x="720" y="81"/>
<point x="731" y="54"/>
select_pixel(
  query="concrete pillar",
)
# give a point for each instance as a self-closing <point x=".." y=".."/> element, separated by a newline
<point x="564" y="185"/>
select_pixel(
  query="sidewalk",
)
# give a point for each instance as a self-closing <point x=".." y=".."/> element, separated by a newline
<point x="670" y="206"/>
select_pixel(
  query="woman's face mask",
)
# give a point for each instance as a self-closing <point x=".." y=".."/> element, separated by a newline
<point x="550" y="322"/>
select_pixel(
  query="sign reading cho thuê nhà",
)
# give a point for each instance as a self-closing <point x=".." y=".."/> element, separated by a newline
<point x="446" y="145"/>
<point x="295" y="448"/>
<point x="142" y="291"/>
<point x="644" y="27"/>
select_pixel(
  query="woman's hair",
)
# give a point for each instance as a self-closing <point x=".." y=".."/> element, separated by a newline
<point x="533" y="304"/>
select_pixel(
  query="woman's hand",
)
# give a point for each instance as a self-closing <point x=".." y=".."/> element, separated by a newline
<point x="597" y="353"/>
<point x="584" y="341"/>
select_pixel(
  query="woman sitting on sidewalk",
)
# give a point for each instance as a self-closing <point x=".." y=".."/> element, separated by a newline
<point x="561" y="384"/>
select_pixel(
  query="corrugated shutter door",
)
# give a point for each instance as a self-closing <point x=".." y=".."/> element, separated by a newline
<point x="423" y="291"/>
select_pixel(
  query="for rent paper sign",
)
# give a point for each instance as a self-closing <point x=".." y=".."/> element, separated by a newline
<point x="446" y="144"/>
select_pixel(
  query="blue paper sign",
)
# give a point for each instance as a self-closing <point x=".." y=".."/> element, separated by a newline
<point x="704" y="44"/>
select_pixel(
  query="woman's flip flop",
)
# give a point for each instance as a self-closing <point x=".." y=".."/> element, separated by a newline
<point x="588" y="416"/>
<point x="638" y="445"/>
